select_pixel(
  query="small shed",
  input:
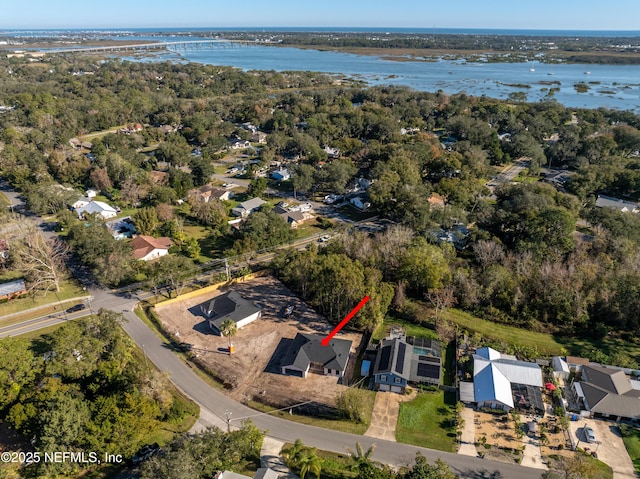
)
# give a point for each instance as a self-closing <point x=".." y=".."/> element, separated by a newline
<point x="560" y="368"/>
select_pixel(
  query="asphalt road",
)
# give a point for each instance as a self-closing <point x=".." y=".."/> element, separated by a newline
<point x="214" y="402"/>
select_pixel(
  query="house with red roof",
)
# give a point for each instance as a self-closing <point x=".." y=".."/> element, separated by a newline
<point x="146" y="248"/>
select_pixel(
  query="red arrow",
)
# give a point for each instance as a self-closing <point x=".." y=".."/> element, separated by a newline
<point x="325" y="341"/>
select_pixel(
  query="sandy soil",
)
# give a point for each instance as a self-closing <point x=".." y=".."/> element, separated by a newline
<point x="252" y="371"/>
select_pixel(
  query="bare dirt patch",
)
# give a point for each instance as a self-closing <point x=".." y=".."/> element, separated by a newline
<point x="247" y="372"/>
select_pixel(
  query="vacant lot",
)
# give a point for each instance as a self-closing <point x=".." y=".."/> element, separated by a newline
<point x="250" y="373"/>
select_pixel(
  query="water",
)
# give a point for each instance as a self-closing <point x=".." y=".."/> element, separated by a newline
<point x="610" y="86"/>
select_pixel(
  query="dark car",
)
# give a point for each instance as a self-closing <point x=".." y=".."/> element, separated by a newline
<point x="145" y="452"/>
<point x="77" y="307"/>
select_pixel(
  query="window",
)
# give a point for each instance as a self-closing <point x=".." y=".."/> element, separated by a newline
<point x="383" y="378"/>
<point x="398" y="380"/>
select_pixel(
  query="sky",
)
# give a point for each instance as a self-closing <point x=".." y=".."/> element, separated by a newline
<point x="490" y="14"/>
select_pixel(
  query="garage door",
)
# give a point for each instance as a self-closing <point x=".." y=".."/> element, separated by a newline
<point x="293" y="372"/>
<point x="383" y="387"/>
<point x="396" y="389"/>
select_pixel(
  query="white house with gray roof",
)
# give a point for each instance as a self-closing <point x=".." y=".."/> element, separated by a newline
<point x="245" y="208"/>
<point x="617" y="204"/>
<point x="306" y="354"/>
<point x="230" y="306"/>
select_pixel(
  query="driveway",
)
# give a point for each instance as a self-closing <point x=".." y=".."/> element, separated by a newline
<point x="609" y="445"/>
<point x="384" y="416"/>
<point x="468" y="438"/>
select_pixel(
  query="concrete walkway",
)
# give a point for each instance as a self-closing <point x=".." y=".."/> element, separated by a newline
<point x="468" y="438"/>
<point x="270" y="457"/>
<point x="532" y="457"/>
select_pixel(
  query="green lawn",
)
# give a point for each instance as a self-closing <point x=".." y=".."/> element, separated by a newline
<point x="411" y="329"/>
<point x="631" y="438"/>
<point x="427" y="421"/>
<point x="69" y="289"/>
<point x="336" y="424"/>
<point x="334" y="465"/>
<point x="545" y="343"/>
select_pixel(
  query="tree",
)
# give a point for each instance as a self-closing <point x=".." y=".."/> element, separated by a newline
<point x="302" y="178"/>
<point x="257" y="187"/>
<point x="423" y="470"/>
<point x="310" y="462"/>
<point x="212" y="213"/>
<point x="229" y="328"/>
<point x="173" y="271"/>
<point x="146" y="220"/>
<point x="350" y="404"/>
<point x="361" y="457"/>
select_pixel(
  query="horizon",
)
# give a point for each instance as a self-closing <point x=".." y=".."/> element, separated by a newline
<point x="548" y="15"/>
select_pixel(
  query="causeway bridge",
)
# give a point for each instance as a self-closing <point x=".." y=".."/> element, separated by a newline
<point x="175" y="46"/>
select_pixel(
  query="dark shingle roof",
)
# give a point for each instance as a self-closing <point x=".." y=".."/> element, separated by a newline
<point x="308" y="348"/>
<point x="228" y="306"/>
<point x="608" y="391"/>
<point x="394" y="356"/>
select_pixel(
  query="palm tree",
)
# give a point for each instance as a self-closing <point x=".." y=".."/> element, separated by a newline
<point x="361" y="457"/>
<point x="296" y="453"/>
<point x="229" y="328"/>
<point x="310" y="462"/>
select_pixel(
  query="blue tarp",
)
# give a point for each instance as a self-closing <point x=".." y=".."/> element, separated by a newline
<point x="364" y="369"/>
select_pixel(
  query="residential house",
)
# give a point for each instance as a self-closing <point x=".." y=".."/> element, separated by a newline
<point x="207" y="192"/>
<point x="560" y="368"/>
<point x="237" y="143"/>
<point x="159" y="177"/>
<point x="281" y="175"/>
<point x="259" y="137"/>
<point x="360" y="203"/>
<point x="91" y="193"/>
<point x="503" y="382"/>
<point x="231" y="306"/>
<point x="399" y="363"/>
<point x="294" y="218"/>
<point x="12" y="289"/>
<point x="576" y="363"/>
<point x="121" y="228"/>
<point x="608" y="392"/>
<point x="245" y="208"/>
<point x="435" y="200"/>
<point x="307" y="354"/>
<point x="80" y="202"/>
<point x="97" y="207"/>
<point x="617" y="204"/>
<point x="332" y="152"/>
<point x="146" y="248"/>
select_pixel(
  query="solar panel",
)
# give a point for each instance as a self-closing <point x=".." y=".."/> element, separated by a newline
<point x="428" y="370"/>
<point x="402" y="348"/>
<point x="429" y="359"/>
<point x="385" y="356"/>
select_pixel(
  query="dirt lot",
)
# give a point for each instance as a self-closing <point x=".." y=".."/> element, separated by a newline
<point x="251" y="372"/>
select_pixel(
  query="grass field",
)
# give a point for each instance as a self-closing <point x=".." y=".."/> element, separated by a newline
<point x="545" y="343"/>
<point x="631" y="438"/>
<point x="411" y="329"/>
<point x="68" y="290"/>
<point x="335" y="424"/>
<point x="427" y="421"/>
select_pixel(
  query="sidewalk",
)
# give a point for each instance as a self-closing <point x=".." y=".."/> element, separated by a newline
<point x="270" y="457"/>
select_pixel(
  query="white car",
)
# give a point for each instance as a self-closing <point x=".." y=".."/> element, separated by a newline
<point x="589" y="434"/>
<point x="324" y="239"/>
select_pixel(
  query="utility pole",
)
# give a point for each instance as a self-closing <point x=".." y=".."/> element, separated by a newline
<point x="226" y="268"/>
<point x="228" y="414"/>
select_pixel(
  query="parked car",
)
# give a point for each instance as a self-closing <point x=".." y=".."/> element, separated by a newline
<point x="77" y="307"/>
<point x="145" y="452"/>
<point x="324" y="238"/>
<point x="589" y="434"/>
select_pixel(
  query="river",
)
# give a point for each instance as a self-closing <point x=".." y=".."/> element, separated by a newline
<point x="609" y="86"/>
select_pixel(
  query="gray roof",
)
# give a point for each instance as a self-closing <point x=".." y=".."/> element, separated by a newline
<point x="252" y="204"/>
<point x="398" y="357"/>
<point x="615" y="203"/>
<point x="266" y="473"/>
<point x="609" y="391"/>
<point x="228" y="306"/>
<point x="394" y="356"/>
<point x="12" y="287"/>
<point x="307" y="348"/>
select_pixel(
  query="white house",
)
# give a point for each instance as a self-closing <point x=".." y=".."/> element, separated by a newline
<point x="97" y="207"/>
<point x="617" y="204"/>
<point x="230" y="306"/>
<point x="146" y="248"/>
<point x="281" y="175"/>
<point x="246" y="208"/>
<point x="360" y="203"/>
<point x="80" y="202"/>
<point x="91" y="193"/>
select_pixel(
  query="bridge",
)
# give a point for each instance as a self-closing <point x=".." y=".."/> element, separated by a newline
<point x="177" y="45"/>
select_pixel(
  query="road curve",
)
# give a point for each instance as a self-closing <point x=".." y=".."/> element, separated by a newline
<point x="217" y="403"/>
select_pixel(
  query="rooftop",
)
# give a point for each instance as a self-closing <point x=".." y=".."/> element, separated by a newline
<point x="308" y="348"/>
